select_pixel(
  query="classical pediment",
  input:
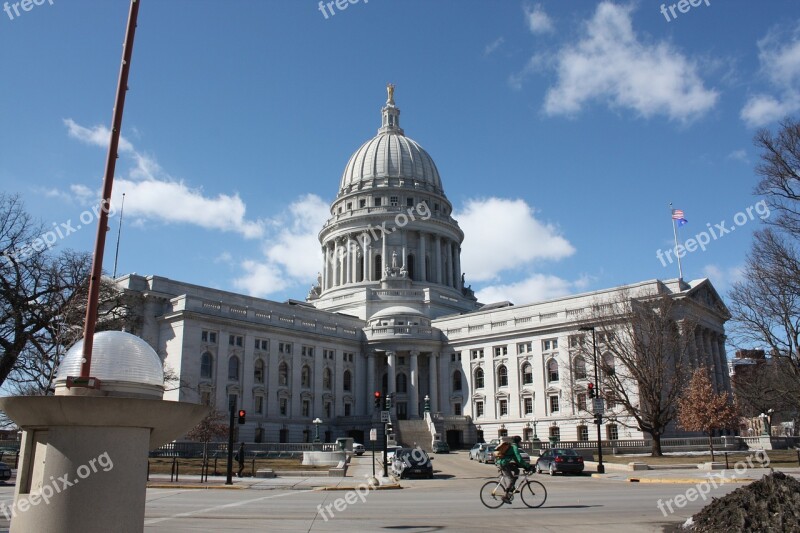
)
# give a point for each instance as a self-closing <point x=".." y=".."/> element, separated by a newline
<point x="706" y="295"/>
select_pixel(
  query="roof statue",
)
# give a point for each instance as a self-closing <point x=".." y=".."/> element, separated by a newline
<point x="390" y="91"/>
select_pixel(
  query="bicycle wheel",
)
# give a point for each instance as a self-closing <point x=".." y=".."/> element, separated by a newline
<point x="492" y="494"/>
<point x="533" y="494"/>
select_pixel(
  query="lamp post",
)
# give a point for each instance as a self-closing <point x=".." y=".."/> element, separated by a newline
<point x="427" y="404"/>
<point x="534" y="421"/>
<point x="598" y="417"/>
<point x="316" y="423"/>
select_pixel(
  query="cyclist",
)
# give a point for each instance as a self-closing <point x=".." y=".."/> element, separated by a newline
<point x="509" y="465"/>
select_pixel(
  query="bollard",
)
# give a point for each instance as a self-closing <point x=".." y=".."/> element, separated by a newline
<point x="215" y="465"/>
<point x="172" y="471"/>
<point x="798" y="457"/>
<point x="726" y="461"/>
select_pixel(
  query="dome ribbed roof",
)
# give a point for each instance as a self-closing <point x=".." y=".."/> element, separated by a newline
<point x="391" y="155"/>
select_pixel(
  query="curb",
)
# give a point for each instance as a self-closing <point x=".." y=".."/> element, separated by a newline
<point x="683" y="481"/>
<point x="393" y="486"/>
<point x="206" y="487"/>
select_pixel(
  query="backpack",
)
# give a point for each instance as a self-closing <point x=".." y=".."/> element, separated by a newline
<point x="501" y="450"/>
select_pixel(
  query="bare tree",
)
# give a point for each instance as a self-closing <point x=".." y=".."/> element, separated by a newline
<point x="780" y="174"/>
<point x="765" y="384"/>
<point x="643" y="359"/>
<point x="213" y="425"/>
<point x="701" y="409"/>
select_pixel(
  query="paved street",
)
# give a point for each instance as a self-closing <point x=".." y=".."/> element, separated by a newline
<point x="449" y="502"/>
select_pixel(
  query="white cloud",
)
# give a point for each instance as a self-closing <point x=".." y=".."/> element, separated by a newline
<point x="739" y="155"/>
<point x="535" y="288"/>
<point x="538" y="21"/>
<point x="723" y="278"/>
<point x="612" y="65"/>
<point x="494" y="45"/>
<point x="151" y="194"/>
<point x="779" y="56"/>
<point x="292" y="255"/>
<point x="503" y="234"/>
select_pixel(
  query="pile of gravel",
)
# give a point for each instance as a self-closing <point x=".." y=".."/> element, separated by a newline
<point x="770" y="504"/>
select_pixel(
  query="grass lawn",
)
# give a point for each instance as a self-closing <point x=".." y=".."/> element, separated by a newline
<point x="163" y="465"/>
<point x="784" y="458"/>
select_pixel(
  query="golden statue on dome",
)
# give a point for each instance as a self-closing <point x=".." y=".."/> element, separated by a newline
<point x="390" y="91"/>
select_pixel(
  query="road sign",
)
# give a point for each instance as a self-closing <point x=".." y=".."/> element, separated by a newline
<point x="598" y="406"/>
<point x="373" y="434"/>
<point x="385" y="417"/>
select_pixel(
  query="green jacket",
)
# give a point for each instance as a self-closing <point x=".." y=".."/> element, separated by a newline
<point x="512" y="455"/>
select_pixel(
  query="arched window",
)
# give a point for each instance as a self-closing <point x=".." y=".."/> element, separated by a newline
<point x="206" y="366"/>
<point x="479" y="378"/>
<point x="347" y="381"/>
<point x="378" y="267"/>
<point x="579" y="367"/>
<point x="258" y="371"/>
<point x="607" y="364"/>
<point x="457" y="380"/>
<point x="326" y="379"/>
<point x="527" y="374"/>
<point x="402" y="383"/>
<point x="305" y="377"/>
<point x="283" y="374"/>
<point x="502" y="376"/>
<point x="552" y="370"/>
<point x="233" y="368"/>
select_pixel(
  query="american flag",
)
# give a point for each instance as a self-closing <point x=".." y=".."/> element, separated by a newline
<point x="677" y="214"/>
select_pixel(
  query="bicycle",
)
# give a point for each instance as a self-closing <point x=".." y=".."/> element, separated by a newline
<point x="532" y="493"/>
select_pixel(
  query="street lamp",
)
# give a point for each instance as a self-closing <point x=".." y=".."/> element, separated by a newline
<point x="427" y="404"/>
<point x="316" y="423"/>
<point x="598" y="416"/>
<point x="534" y="421"/>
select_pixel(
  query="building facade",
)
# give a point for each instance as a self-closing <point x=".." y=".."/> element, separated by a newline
<point x="391" y="312"/>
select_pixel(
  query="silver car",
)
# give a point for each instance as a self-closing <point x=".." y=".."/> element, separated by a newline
<point x="475" y="450"/>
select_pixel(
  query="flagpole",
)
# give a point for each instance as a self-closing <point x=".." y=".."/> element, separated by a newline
<point x="675" y="233"/>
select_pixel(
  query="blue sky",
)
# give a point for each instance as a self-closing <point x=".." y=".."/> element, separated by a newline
<point x="562" y="129"/>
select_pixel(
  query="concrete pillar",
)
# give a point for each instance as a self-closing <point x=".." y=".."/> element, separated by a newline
<point x="457" y="260"/>
<point x="449" y="249"/>
<point x="413" y="391"/>
<point x="421" y="261"/>
<point x="437" y="253"/>
<point x="335" y="264"/>
<point x="433" y="381"/>
<point x="348" y="262"/>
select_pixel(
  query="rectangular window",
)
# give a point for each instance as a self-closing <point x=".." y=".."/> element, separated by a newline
<point x="553" y="404"/>
<point x="235" y="340"/>
<point x="377" y="201"/>
<point x="503" y="407"/>
<point x="477" y="354"/>
<point x="549" y="344"/>
<point x="259" y="405"/>
<point x="208" y="336"/>
<point x="401" y="360"/>
<point x="306" y="408"/>
<point x="528" y="405"/>
<point x="478" y="409"/>
<point x="349" y="206"/>
<point x="524" y="347"/>
<point x="262" y="344"/>
<point x="284" y="407"/>
<point x="500" y="351"/>
<point x="347" y="409"/>
<point x="362" y="203"/>
<point x="457" y="409"/>
<point x="285" y="347"/>
<point x="348" y="357"/>
<point x="393" y="201"/>
<point x="581" y="401"/>
<point x="612" y="431"/>
<point x="409" y="202"/>
<point x="233" y="400"/>
<point x="308" y="351"/>
<point x="576" y="341"/>
<point x="583" y="433"/>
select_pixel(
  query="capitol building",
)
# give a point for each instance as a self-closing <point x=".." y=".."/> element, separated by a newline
<point x="390" y="312"/>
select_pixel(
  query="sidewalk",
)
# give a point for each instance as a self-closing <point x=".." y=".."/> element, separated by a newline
<point x="686" y="475"/>
<point x="358" y="472"/>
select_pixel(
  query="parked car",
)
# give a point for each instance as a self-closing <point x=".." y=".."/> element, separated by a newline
<point x="440" y="447"/>
<point x="409" y="462"/>
<point x="475" y="450"/>
<point x="358" y="449"/>
<point x="560" y="460"/>
<point x="487" y="455"/>
<point x="390" y="451"/>
<point x="5" y="472"/>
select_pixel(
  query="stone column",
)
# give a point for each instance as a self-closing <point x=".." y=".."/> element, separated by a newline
<point x="433" y="380"/>
<point x="710" y="362"/>
<point x="449" y="249"/>
<point x="365" y="250"/>
<point x="726" y="375"/>
<point x="370" y="379"/>
<point x="348" y="261"/>
<point x="335" y="264"/>
<point x="421" y="261"/>
<point x="413" y="392"/>
<point x="370" y="260"/>
<point x="437" y="251"/>
<point x="391" y="367"/>
<point x="457" y="260"/>
<point x="384" y="262"/>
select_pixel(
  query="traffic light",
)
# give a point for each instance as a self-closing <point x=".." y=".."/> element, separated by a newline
<point x="388" y="428"/>
<point x="242" y="412"/>
<point x="590" y="389"/>
<point x="377" y="399"/>
<point x="388" y="405"/>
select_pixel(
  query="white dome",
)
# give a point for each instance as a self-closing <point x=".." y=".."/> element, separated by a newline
<point x="121" y="361"/>
<point x="391" y="155"/>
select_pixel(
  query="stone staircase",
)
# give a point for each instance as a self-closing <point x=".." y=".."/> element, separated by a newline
<point x="409" y="432"/>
